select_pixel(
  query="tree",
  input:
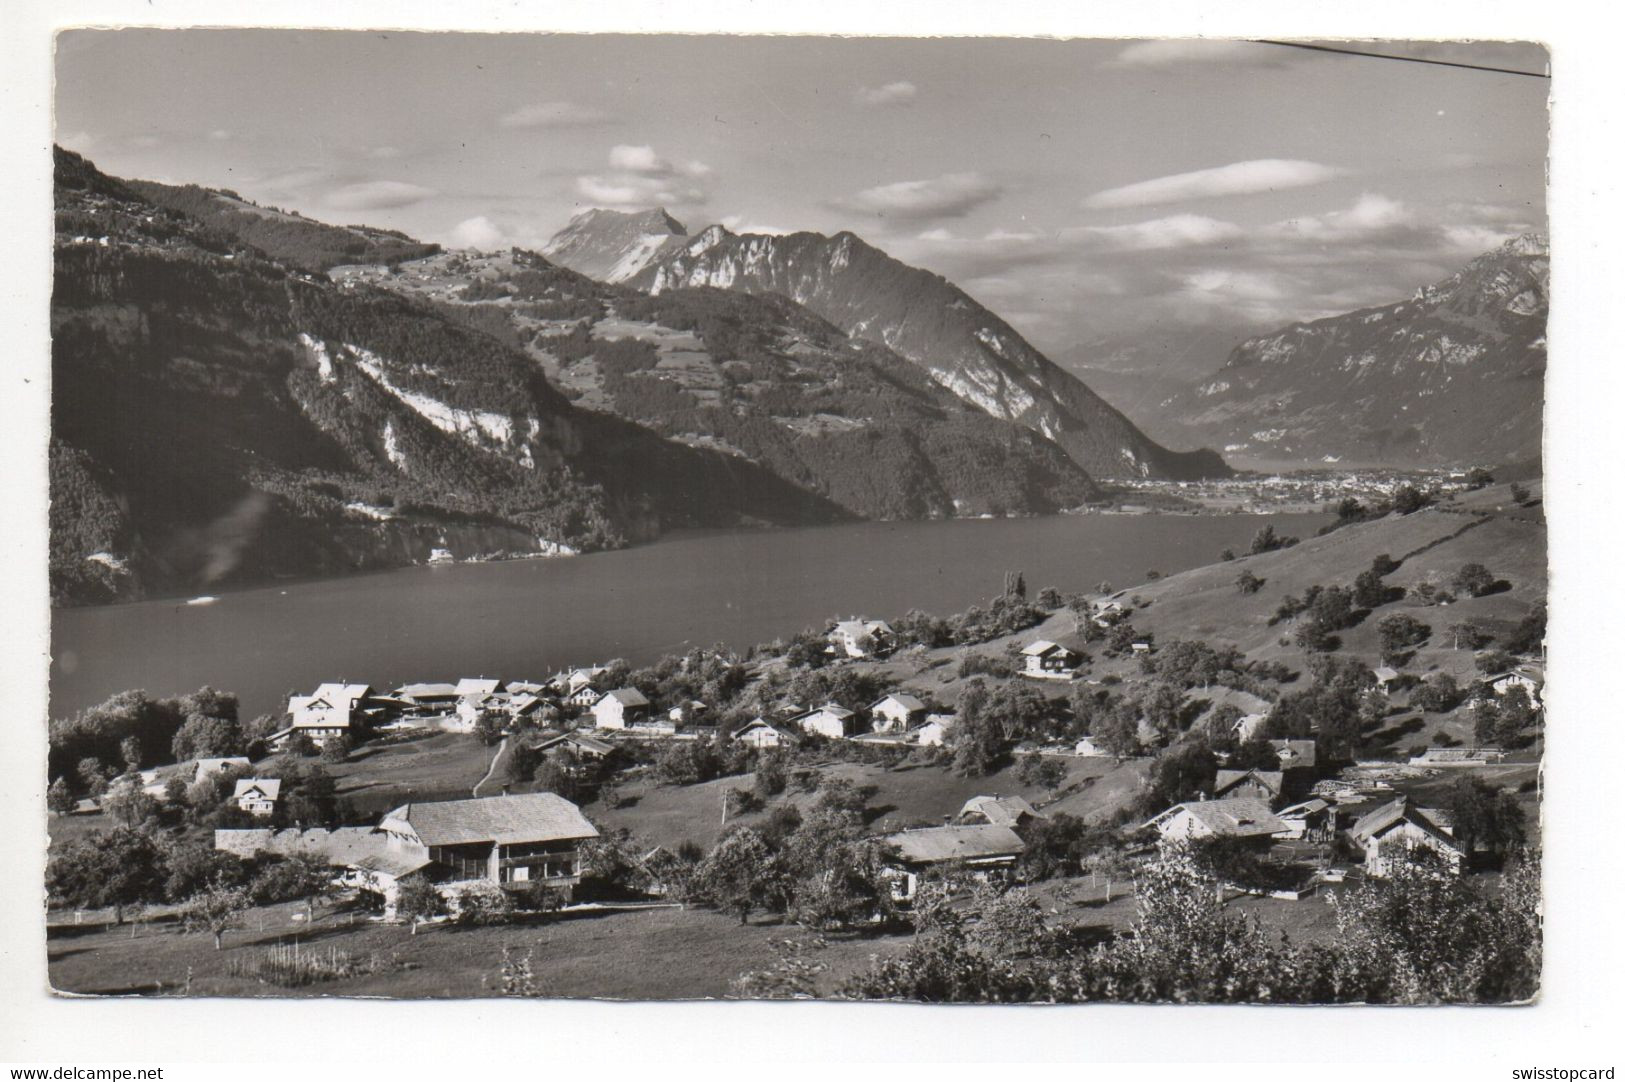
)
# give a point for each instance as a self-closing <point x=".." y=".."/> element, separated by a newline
<point x="1049" y="598"/>
<point x="1182" y="773"/>
<point x="300" y="745"/>
<point x="1520" y="494"/>
<point x="337" y="748"/>
<point x="59" y="798"/>
<point x="94" y="776"/>
<point x="129" y="804"/>
<point x="1529" y="637"/>
<point x="489" y="727"/>
<point x="1249" y="583"/>
<point x="733" y="876"/>
<point x="216" y="910"/>
<point x="1117" y="731"/>
<point x="417" y="900"/>
<point x="205" y="735"/>
<point x="1474" y="580"/>
<point x="1044" y="771"/>
<point x="1478" y="477"/>
<point x="1467" y="635"/>
<point x="1515" y="712"/>
<point x="1399" y="634"/>
<point x="118" y="868"/>
<point x="1438" y="694"/>
<point x="130" y="751"/>
<point x="302" y="876"/>
<point x="1407" y="499"/>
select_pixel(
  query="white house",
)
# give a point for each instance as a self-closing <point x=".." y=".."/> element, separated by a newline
<point x="760" y="733"/>
<point x="620" y="709"/>
<point x="895" y="712"/>
<point x="1249" y="726"/>
<point x="208" y="767"/>
<point x="933" y="731"/>
<point x="1385" y="675"/>
<point x="1087" y="748"/>
<point x="423" y="699"/>
<point x="257" y="796"/>
<point x="1527" y="679"/>
<point x="1048" y="660"/>
<point x="1400" y="827"/>
<point x="861" y="638"/>
<point x="828" y="720"/>
<point x="1242" y="817"/>
<point x="332" y="711"/>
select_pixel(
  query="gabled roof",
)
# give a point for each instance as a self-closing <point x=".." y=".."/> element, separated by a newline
<point x="1229" y="779"/>
<point x="343" y="694"/>
<point x="1306" y="808"/>
<point x="760" y="723"/>
<point x="1040" y="647"/>
<point x="1376" y="823"/>
<point x="477" y="686"/>
<point x="834" y="710"/>
<point x="270" y="788"/>
<point x="861" y="627"/>
<point x="427" y="691"/>
<point x="902" y="699"/>
<point x="936" y="845"/>
<point x="526" y="817"/>
<point x="626" y="697"/>
<point x="1237" y="817"/>
<point x="1294" y="753"/>
<point x="1004" y="811"/>
<point x="1384" y="673"/>
<point x="579" y="739"/>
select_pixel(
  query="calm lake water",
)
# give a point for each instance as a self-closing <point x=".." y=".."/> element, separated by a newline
<point x="528" y="619"/>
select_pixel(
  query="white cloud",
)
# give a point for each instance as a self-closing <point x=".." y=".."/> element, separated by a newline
<point x="1148" y="54"/>
<point x="1237" y="178"/>
<point x="1176" y="231"/>
<point x="81" y="141"/>
<point x="479" y="232"/>
<point x="735" y="223"/>
<point x="898" y="93"/>
<point x="639" y="177"/>
<point x="377" y="195"/>
<point x="952" y="195"/>
<point x="555" y="114"/>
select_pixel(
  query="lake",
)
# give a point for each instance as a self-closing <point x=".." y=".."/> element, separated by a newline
<point x="528" y="619"/>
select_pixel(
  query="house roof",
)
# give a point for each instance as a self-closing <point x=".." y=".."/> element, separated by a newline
<point x="834" y="710"/>
<point x="902" y="699"/>
<point x="477" y="686"/>
<point x="1039" y="647"/>
<point x="1236" y="817"/>
<point x="1384" y="673"/>
<point x="525" y="817"/>
<point x="760" y="723"/>
<point x="1296" y="753"/>
<point x="1229" y="779"/>
<point x="626" y="697"/>
<point x="935" y="845"/>
<point x="1004" y="811"/>
<point x="210" y="766"/>
<point x="271" y="788"/>
<point x="346" y="694"/>
<point x="361" y="847"/>
<point x="1307" y="807"/>
<point x="1381" y="820"/>
<point x="580" y="739"/>
<point x="427" y="691"/>
<point x="861" y="627"/>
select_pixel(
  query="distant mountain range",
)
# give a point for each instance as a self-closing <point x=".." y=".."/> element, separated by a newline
<point x="868" y="294"/>
<point x="1453" y="376"/>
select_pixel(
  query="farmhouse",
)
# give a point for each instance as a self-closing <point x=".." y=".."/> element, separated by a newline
<point x="931" y="732"/>
<point x="512" y="841"/>
<point x="761" y="733"/>
<point x="984" y="850"/>
<point x="1086" y="748"/>
<point x="1241" y="817"/>
<point x="1264" y="785"/>
<point x="828" y="720"/>
<point x="1310" y="820"/>
<point x="1528" y="679"/>
<point x="1001" y="811"/>
<point x="620" y="709"/>
<point x="426" y="699"/>
<point x="1046" y="660"/>
<point x="860" y="638"/>
<point x="1385" y="675"/>
<point x="895" y="712"/>
<point x="332" y="711"/>
<point x="257" y="796"/>
<point x="576" y="743"/>
<point x="208" y="767"/>
<point x="1397" y="828"/>
<point x="360" y="856"/>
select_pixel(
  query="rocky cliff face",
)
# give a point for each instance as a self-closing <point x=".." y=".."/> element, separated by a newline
<point x="1453" y="376"/>
<point x="927" y="320"/>
<point x="613" y="246"/>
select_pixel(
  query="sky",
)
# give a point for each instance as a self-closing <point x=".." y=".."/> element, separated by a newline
<point x="1165" y="195"/>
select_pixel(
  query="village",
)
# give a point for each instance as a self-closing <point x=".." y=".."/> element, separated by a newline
<point x="878" y="752"/>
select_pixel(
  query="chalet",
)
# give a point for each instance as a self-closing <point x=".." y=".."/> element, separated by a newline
<point x="1001" y="811"/>
<point x="895" y="712"/>
<point x="860" y="638"/>
<point x="426" y="699"/>
<point x="1528" y="679"/>
<point x="828" y="720"/>
<point x="1086" y="748"/>
<point x="760" y="733"/>
<point x="568" y="683"/>
<point x="512" y="841"/>
<point x="1400" y="827"/>
<point x="1385" y="675"/>
<point x="209" y="767"/>
<point x="1311" y="820"/>
<point x="1263" y="785"/>
<point x="1294" y="754"/>
<point x="470" y="708"/>
<point x="984" y="850"/>
<point x="476" y="686"/>
<point x="1240" y="817"/>
<point x="687" y="713"/>
<point x="931" y="732"/>
<point x="361" y="857"/>
<point x="527" y="705"/>
<point x="620" y="709"/>
<point x="575" y="743"/>
<point x="1248" y="726"/>
<point x="1141" y="647"/>
<point x="257" y="796"/>
<point x="334" y="710"/>
<point x="1108" y="612"/>
<point x="1046" y="660"/>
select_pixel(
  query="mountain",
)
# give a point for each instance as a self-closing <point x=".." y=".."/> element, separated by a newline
<point x="920" y="316"/>
<point x="1453" y="376"/>
<point x="760" y="378"/>
<point x="613" y="246"/>
<point x="221" y="417"/>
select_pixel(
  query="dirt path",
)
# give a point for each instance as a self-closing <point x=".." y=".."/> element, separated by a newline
<point x="496" y="761"/>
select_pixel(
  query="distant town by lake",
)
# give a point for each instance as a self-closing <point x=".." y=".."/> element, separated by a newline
<point x="527" y="619"/>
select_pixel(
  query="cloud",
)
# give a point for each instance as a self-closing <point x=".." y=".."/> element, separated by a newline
<point x="639" y="177"/>
<point x="1157" y="54"/>
<point x="377" y="195"/>
<point x="952" y="195"/>
<point x="1237" y="178"/>
<point x="898" y="93"/>
<point x="479" y="232"/>
<point x="81" y="141"/>
<point x="735" y="223"/>
<point x="1177" y="231"/>
<point x="555" y="114"/>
